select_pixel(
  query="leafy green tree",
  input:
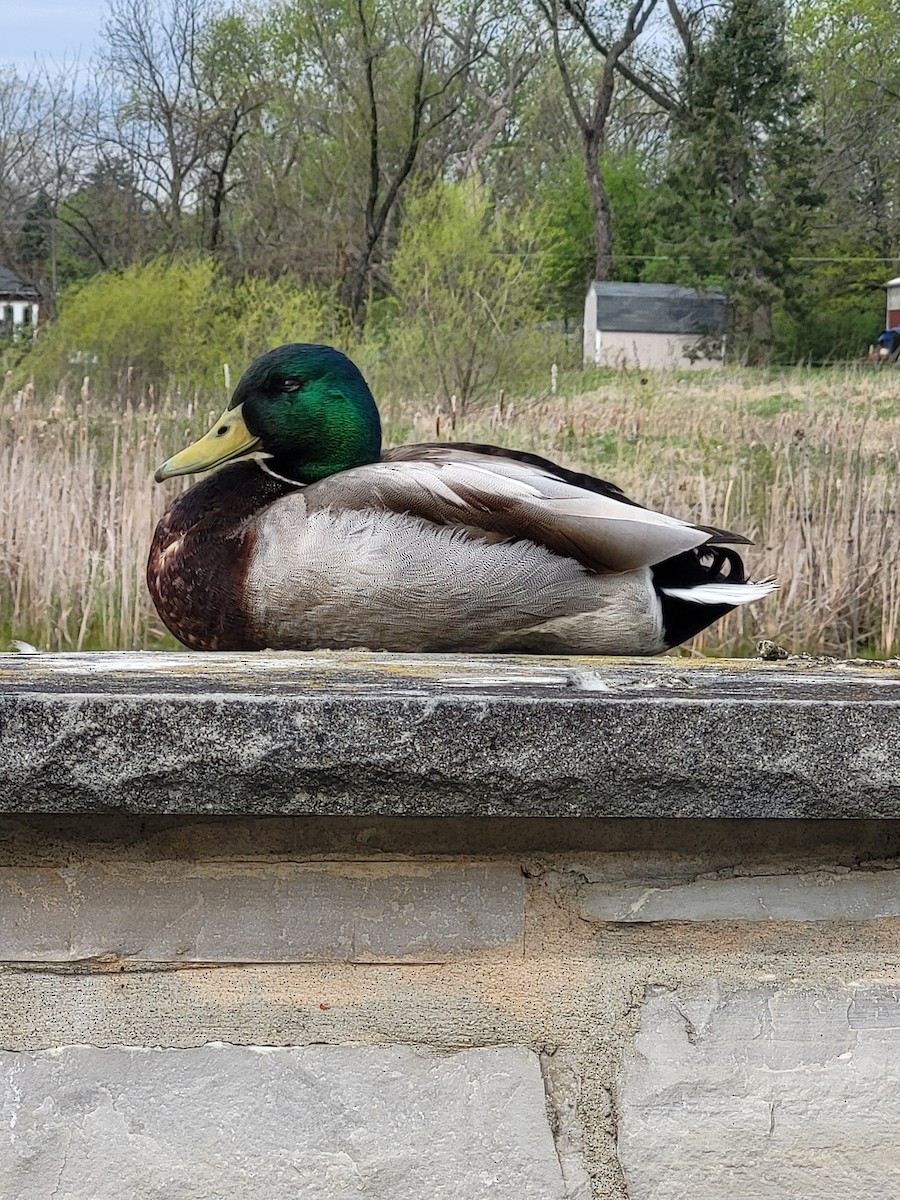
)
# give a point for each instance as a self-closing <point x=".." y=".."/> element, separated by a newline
<point x="851" y="57"/>
<point x="740" y="192"/>
<point x="837" y="315"/>
<point x="467" y="280"/>
<point x="568" y="235"/>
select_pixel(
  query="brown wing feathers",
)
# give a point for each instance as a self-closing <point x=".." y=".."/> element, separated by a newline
<point x="424" y="452"/>
<point x="443" y="452"/>
<point x="518" y="496"/>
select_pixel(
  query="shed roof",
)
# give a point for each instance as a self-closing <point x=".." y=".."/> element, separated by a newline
<point x="892" y="282"/>
<point x="12" y="285"/>
<point x="658" y="308"/>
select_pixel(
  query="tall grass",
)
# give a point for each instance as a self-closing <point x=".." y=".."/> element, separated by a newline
<point x="807" y="463"/>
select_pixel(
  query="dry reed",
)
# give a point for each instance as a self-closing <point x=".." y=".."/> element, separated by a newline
<point x="805" y="463"/>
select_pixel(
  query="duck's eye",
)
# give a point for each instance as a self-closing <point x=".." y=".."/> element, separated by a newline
<point x="292" y="385"/>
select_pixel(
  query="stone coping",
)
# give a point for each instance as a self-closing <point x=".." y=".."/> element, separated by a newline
<point x="440" y="735"/>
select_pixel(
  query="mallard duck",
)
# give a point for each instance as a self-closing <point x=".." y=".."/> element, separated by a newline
<point x="317" y="538"/>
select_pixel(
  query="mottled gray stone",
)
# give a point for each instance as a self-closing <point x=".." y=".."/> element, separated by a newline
<point x="763" y="1094"/>
<point x="258" y="912"/>
<point x="439" y="735"/>
<point x="318" y="1122"/>
<point x="564" y="1099"/>
<point x="812" y="896"/>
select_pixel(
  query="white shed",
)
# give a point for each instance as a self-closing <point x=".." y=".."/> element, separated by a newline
<point x="892" y="319"/>
<point x="653" y="325"/>
<point x="18" y="305"/>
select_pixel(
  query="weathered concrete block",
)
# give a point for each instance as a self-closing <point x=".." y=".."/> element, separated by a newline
<point x="318" y="1122"/>
<point x="810" y="896"/>
<point x="763" y="1094"/>
<point x="258" y="912"/>
<point x="358" y="734"/>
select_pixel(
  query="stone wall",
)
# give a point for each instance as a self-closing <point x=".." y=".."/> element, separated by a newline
<point x="568" y="1007"/>
<point x="463" y="1007"/>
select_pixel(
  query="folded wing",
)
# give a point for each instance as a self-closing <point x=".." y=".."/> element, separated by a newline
<point x="493" y="494"/>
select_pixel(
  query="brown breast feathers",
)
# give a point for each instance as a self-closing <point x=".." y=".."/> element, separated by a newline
<point x="200" y="554"/>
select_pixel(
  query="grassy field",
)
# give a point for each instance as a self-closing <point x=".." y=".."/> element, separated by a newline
<point x="807" y="463"/>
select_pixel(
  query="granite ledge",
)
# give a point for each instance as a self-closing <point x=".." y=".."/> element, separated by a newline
<point x="383" y="734"/>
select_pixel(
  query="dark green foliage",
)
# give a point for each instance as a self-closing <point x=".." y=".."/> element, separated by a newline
<point x="838" y="317"/>
<point x="739" y="194"/>
<point x="569" y="231"/>
<point x="34" y="239"/>
<point x="105" y="225"/>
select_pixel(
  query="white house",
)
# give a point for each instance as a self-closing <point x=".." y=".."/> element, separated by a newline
<point x="18" y="306"/>
<point x="653" y="325"/>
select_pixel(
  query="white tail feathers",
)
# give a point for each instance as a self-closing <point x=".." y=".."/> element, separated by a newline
<point x="723" y="593"/>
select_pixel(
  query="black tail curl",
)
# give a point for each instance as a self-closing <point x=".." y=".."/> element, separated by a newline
<point x="707" y="564"/>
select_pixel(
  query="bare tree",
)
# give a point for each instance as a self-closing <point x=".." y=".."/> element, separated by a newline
<point x="371" y="95"/>
<point x="437" y="70"/>
<point x="505" y="50"/>
<point x="592" y="112"/>
<point x="178" y="118"/>
<point x="20" y="134"/>
<point x="43" y="156"/>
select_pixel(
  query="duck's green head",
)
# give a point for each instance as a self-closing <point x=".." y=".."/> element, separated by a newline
<point x="306" y="409"/>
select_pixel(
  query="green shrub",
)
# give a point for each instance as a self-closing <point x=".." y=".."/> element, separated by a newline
<point x="171" y="324"/>
<point x="466" y="318"/>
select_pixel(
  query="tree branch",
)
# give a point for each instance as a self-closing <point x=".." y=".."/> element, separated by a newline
<point x="642" y="82"/>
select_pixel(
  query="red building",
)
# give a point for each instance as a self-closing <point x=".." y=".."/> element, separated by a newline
<point x="893" y="303"/>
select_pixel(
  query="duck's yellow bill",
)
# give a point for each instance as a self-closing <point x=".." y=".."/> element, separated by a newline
<point x="228" y="438"/>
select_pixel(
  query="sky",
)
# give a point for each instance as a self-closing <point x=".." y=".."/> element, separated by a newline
<point x="48" y="28"/>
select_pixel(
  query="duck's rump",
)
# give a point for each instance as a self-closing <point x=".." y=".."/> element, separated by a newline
<point x="391" y="581"/>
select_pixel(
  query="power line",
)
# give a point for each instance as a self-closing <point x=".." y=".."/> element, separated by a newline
<point x="858" y="258"/>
